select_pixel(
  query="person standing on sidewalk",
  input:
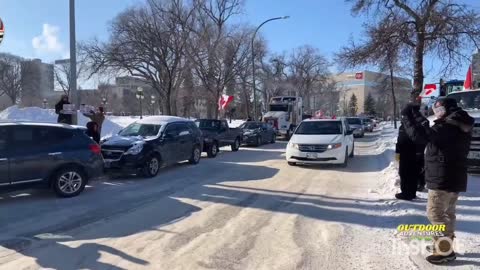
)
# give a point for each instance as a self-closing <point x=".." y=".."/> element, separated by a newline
<point x="409" y="155"/>
<point x="448" y="144"/>
<point x="63" y="118"/>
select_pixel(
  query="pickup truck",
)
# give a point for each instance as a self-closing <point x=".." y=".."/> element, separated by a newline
<point x="216" y="134"/>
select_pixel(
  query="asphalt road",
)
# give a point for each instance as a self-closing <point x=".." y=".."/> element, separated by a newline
<point x="243" y="210"/>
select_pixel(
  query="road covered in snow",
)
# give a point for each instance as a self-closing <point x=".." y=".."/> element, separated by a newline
<point x="243" y="210"/>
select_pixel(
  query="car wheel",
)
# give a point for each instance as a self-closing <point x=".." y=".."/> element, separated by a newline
<point x="345" y="162"/>
<point x="69" y="182"/>
<point x="236" y="145"/>
<point x="353" y="150"/>
<point x="259" y="141"/>
<point x="212" y="150"/>
<point x="274" y="138"/>
<point x="292" y="163"/>
<point x="196" y="155"/>
<point x="152" y="167"/>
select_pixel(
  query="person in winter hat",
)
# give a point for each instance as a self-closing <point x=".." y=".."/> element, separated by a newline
<point x="448" y="144"/>
<point x="410" y="157"/>
<point x="62" y="117"/>
<point x="97" y="117"/>
<point x="92" y="131"/>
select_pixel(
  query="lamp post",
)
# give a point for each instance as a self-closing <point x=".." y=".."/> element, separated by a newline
<point x="140" y="96"/>
<point x="253" y="62"/>
<point x="153" y="104"/>
<point x="73" y="60"/>
<point x="44" y="103"/>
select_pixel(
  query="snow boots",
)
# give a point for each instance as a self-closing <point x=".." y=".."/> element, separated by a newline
<point x="444" y="254"/>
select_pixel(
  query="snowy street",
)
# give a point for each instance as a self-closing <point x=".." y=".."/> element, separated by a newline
<point x="245" y="210"/>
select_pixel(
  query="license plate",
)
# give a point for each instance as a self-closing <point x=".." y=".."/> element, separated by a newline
<point x="473" y="155"/>
<point x="312" y="155"/>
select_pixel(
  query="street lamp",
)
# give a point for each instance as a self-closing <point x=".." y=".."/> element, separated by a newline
<point x="153" y="104"/>
<point x="44" y="103"/>
<point x="140" y="96"/>
<point x="253" y="62"/>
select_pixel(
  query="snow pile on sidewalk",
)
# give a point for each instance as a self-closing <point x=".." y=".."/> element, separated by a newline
<point x="36" y="114"/>
<point x="390" y="180"/>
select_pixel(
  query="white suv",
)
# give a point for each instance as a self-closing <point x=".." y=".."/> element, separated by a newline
<point x="319" y="141"/>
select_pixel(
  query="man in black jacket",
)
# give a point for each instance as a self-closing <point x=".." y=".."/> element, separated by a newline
<point x="63" y="117"/>
<point x="409" y="155"/>
<point x="448" y="144"/>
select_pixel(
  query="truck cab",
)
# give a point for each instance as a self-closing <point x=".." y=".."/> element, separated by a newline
<point x="470" y="102"/>
<point x="284" y="114"/>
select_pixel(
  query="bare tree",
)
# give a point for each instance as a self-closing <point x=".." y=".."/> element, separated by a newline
<point x="148" y="42"/>
<point x="444" y="29"/>
<point x="63" y="78"/>
<point x="217" y="50"/>
<point x="309" y="70"/>
<point x="10" y="77"/>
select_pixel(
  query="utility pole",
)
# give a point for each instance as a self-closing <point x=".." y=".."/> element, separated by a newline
<point x="73" y="62"/>
<point x="253" y="64"/>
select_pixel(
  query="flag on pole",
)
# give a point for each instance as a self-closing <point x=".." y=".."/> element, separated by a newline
<point x="430" y="90"/>
<point x="223" y="101"/>
<point x="468" y="84"/>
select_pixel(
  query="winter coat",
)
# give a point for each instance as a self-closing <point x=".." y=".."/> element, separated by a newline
<point x="95" y="135"/>
<point x="448" y="144"/>
<point x="62" y="118"/>
<point x="97" y="117"/>
<point x="406" y="147"/>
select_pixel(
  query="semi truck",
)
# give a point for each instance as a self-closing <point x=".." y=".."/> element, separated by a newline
<point x="284" y="114"/>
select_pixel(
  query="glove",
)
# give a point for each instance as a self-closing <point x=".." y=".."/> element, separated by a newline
<point x="397" y="157"/>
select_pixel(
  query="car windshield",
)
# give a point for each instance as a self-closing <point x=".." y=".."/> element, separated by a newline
<point x="467" y="100"/>
<point x="208" y="124"/>
<point x="138" y="129"/>
<point x="279" y="108"/>
<point x="319" y="128"/>
<point x="250" y="125"/>
<point x="354" y="121"/>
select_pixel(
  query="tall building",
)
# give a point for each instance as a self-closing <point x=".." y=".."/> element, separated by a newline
<point x="37" y="82"/>
<point x="376" y="84"/>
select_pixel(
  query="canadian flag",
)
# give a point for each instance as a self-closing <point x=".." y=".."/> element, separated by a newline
<point x="468" y="85"/>
<point x="429" y="90"/>
<point x="223" y="101"/>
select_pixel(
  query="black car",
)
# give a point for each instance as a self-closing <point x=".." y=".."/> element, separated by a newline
<point x="151" y="143"/>
<point x="216" y="134"/>
<point x="258" y="133"/>
<point x="59" y="156"/>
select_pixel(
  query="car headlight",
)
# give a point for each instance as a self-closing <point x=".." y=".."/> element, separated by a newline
<point x="135" y="149"/>
<point x="249" y="133"/>
<point x="334" y="146"/>
<point x="293" y="145"/>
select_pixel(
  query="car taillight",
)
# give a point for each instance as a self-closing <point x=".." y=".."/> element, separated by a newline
<point x="95" y="148"/>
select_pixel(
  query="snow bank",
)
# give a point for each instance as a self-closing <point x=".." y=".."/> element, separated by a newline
<point x="36" y="114"/>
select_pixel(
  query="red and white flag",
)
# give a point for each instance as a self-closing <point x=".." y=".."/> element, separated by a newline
<point x="430" y="90"/>
<point x="223" y="101"/>
<point x="468" y="84"/>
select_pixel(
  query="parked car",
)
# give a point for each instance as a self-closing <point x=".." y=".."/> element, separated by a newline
<point x="58" y="156"/>
<point x="151" y="143"/>
<point x="216" y="134"/>
<point x="319" y="141"/>
<point x="356" y="124"/>
<point x="258" y="133"/>
<point x="368" y="124"/>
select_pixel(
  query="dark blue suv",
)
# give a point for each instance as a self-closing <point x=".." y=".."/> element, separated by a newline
<point x="61" y="157"/>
